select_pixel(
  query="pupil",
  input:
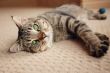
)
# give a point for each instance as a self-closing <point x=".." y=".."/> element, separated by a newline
<point x="36" y="27"/>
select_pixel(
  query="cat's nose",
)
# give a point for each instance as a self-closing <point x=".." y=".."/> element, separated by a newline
<point x="42" y="36"/>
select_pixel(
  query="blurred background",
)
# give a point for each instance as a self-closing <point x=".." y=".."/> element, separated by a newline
<point x="54" y="3"/>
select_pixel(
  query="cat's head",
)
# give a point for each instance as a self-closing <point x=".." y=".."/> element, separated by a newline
<point x="31" y="35"/>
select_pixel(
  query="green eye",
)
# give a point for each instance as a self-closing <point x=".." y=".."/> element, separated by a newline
<point x="34" y="42"/>
<point x="36" y="27"/>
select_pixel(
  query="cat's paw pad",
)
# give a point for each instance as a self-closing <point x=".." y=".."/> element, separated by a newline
<point x="101" y="49"/>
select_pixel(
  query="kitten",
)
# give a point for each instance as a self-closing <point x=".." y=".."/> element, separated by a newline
<point x="37" y="34"/>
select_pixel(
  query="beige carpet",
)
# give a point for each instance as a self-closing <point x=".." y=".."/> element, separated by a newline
<point x="65" y="57"/>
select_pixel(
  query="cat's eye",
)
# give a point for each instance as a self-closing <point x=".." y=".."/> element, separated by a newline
<point x="36" y="27"/>
<point x="35" y="42"/>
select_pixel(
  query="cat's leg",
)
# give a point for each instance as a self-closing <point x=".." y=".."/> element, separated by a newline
<point x="96" y="16"/>
<point x="92" y="40"/>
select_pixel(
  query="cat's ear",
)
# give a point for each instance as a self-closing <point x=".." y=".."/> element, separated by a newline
<point x="19" y="21"/>
<point x="15" y="48"/>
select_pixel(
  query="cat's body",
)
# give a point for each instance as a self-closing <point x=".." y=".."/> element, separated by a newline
<point x="58" y="19"/>
<point x="37" y="34"/>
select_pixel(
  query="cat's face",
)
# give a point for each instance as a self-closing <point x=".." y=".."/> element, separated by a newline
<point x="32" y="34"/>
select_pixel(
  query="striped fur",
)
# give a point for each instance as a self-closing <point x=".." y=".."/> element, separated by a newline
<point x="66" y="21"/>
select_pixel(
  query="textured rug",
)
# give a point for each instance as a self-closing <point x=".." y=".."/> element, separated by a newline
<point x="64" y="57"/>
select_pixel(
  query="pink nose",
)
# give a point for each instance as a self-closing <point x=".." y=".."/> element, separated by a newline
<point x="41" y="35"/>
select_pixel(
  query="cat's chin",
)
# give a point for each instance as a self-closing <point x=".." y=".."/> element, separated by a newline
<point x="46" y="38"/>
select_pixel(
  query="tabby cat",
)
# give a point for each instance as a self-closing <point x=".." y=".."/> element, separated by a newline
<point x="37" y="34"/>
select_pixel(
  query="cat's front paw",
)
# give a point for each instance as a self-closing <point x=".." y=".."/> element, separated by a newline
<point x="100" y="49"/>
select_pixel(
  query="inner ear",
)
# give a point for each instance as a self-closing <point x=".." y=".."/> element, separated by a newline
<point x="19" y="21"/>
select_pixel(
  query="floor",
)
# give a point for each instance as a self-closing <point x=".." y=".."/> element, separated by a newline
<point x="64" y="57"/>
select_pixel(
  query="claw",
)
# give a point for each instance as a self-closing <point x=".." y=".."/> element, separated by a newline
<point x="104" y="48"/>
<point x="105" y="42"/>
<point x="99" y="53"/>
